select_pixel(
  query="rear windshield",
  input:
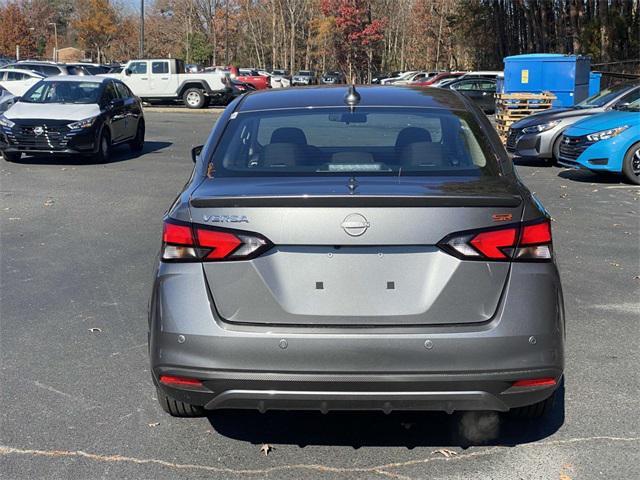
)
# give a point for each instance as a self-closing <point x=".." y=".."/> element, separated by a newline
<point x="370" y="141"/>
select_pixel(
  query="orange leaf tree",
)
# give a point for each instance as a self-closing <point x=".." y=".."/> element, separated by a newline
<point x="96" y="24"/>
<point x="14" y="31"/>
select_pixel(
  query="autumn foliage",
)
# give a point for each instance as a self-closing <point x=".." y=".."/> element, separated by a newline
<point x="358" y="37"/>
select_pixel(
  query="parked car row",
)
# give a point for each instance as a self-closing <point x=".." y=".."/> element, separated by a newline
<point x="600" y="134"/>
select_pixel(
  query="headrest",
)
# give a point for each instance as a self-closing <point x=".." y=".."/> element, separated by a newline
<point x="281" y="155"/>
<point x="289" y="135"/>
<point x="423" y="154"/>
<point x="411" y="135"/>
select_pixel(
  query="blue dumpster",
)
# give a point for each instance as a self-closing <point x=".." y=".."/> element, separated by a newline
<point x="594" y="82"/>
<point x="566" y="76"/>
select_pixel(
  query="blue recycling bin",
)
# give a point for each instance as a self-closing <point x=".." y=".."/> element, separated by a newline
<point x="566" y="76"/>
<point x="594" y="82"/>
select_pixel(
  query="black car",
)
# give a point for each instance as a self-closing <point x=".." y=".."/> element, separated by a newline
<point x="73" y="115"/>
<point x="479" y="89"/>
<point x="333" y="78"/>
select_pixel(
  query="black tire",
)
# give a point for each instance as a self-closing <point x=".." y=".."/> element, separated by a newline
<point x="12" y="156"/>
<point x="137" y="144"/>
<point x="104" y="147"/>
<point x="194" y="98"/>
<point x="631" y="164"/>
<point x="537" y="410"/>
<point x="555" y="152"/>
<point x="176" y="408"/>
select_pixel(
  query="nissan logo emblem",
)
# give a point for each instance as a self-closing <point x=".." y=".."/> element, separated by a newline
<point x="38" y="130"/>
<point x="355" y="225"/>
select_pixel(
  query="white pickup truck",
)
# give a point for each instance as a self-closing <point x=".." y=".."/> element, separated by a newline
<point x="165" y="79"/>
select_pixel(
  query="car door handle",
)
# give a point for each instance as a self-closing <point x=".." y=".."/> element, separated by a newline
<point x="144" y="78"/>
<point x="164" y="78"/>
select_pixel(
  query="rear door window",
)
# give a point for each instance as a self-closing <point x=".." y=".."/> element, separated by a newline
<point x="370" y="141"/>
<point x="158" y="68"/>
<point x="16" y="76"/>
<point x="487" y="86"/>
<point x="468" y="85"/>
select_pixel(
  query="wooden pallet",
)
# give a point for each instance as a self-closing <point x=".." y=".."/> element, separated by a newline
<point x="511" y="107"/>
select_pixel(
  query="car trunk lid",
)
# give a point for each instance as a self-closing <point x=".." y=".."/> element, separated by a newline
<point x="356" y="251"/>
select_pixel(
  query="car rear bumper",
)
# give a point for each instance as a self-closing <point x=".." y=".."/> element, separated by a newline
<point x="446" y="367"/>
<point x="329" y="392"/>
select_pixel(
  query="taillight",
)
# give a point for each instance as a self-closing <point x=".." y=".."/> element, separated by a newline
<point x="520" y="242"/>
<point x="535" y="382"/>
<point x="184" y="242"/>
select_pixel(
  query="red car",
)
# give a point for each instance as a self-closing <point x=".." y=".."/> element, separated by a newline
<point x="437" y="78"/>
<point x="251" y="77"/>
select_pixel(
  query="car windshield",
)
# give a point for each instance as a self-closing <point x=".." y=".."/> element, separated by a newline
<point x="633" y="106"/>
<point x="63" y="92"/>
<point x="370" y="141"/>
<point x="601" y="98"/>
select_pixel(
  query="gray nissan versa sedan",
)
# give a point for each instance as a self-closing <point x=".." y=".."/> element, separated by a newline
<point x="538" y="135"/>
<point x="338" y="249"/>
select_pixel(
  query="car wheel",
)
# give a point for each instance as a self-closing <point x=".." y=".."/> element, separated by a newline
<point x="177" y="408"/>
<point x="104" y="148"/>
<point x="631" y="164"/>
<point x="194" y="98"/>
<point x="137" y="144"/>
<point x="537" y="410"/>
<point x="555" y="150"/>
<point x="12" y="156"/>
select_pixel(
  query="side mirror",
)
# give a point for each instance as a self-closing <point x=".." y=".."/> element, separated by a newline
<point x="195" y="153"/>
<point x="622" y="106"/>
<point x="127" y="72"/>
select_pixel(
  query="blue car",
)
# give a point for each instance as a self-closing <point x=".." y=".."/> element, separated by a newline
<point x="608" y="142"/>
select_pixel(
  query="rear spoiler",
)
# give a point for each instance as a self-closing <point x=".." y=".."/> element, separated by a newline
<point x="358" y="201"/>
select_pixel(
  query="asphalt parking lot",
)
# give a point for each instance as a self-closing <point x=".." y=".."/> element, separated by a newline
<point x="78" y="244"/>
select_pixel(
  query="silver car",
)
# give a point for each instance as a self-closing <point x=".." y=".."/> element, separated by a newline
<point x="538" y="135"/>
<point x="343" y="249"/>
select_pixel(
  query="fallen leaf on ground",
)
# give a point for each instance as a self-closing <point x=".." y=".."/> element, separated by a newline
<point x="48" y="202"/>
<point x="266" y="448"/>
<point x="154" y="424"/>
<point x="95" y="330"/>
<point x="445" y="452"/>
